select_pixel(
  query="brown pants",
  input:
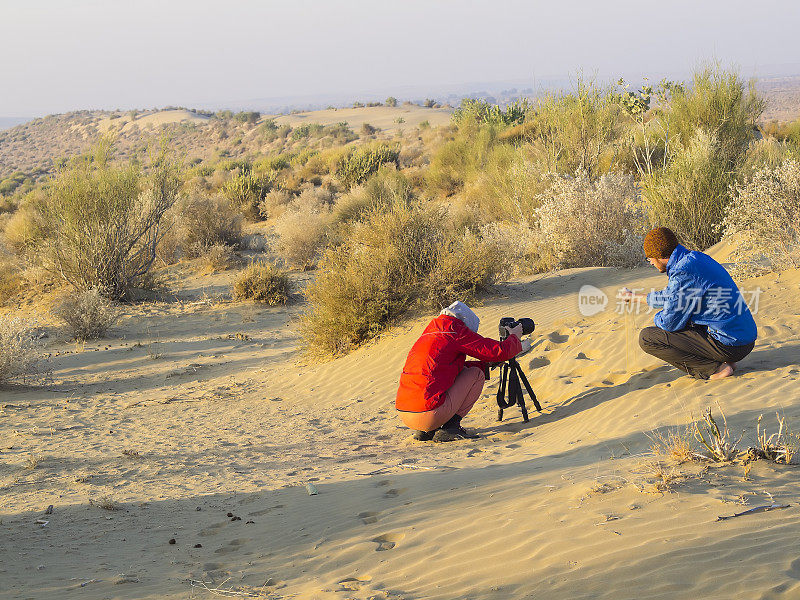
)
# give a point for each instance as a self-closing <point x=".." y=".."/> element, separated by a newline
<point x="691" y="350"/>
<point x="459" y="399"/>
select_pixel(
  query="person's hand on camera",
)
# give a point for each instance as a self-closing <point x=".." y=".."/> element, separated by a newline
<point x="517" y="331"/>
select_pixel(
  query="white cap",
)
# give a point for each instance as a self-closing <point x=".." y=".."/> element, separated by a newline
<point x="464" y="313"/>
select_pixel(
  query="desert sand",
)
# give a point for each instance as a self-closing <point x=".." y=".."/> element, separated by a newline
<point x="385" y="118"/>
<point x="200" y="421"/>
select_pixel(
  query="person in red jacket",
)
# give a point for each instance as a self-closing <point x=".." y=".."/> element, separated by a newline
<point x="439" y="386"/>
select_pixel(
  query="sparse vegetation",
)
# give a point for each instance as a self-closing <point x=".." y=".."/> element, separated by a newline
<point x="762" y="220"/>
<point x="716" y="439"/>
<point x="262" y="282"/>
<point x="302" y="229"/>
<point x="357" y="165"/>
<point x="19" y="353"/>
<point x="583" y="222"/>
<point x="388" y="262"/>
<point x="87" y="314"/>
<point x="101" y="222"/>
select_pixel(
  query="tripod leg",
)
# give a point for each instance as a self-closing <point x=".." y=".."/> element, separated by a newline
<point x="499" y="414"/>
<point x="529" y="388"/>
<point x="515" y="385"/>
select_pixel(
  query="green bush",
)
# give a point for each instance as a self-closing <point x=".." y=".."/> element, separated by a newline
<point x="720" y="103"/>
<point x="461" y="159"/>
<point x="101" y="222"/>
<point x="691" y="193"/>
<point x="389" y="187"/>
<point x="710" y="126"/>
<point x="247" y="190"/>
<point x="387" y="264"/>
<point x="207" y="221"/>
<point x="576" y="132"/>
<point x="262" y="282"/>
<point x="247" y="117"/>
<point x="358" y="164"/>
<point x="391" y="101"/>
<point x="306" y="130"/>
<point x="481" y="111"/>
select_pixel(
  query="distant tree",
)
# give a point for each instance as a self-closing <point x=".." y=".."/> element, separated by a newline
<point x="247" y="117"/>
<point x="429" y="103"/>
<point x="391" y="101"/>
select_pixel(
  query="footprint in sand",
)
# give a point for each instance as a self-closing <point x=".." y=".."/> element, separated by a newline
<point x="369" y="517"/>
<point x="353" y="584"/>
<point x="387" y="541"/>
<point x="557" y="338"/>
<point x="258" y="513"/>
<point x="393" y="493"/>
<point x="231" y="546"/>
<point x="213" y="529"/>
<point x="538" y="362"/>
<point x="794" y="569"/>
<point x="383" y="482"/>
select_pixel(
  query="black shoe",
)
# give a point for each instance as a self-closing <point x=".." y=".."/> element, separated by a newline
<point x="424" y="436"/>
<point x="452" y="434"/>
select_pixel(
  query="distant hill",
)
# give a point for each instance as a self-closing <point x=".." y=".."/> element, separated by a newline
<point x="8" y="122"/>
<point x="36" y="146"/>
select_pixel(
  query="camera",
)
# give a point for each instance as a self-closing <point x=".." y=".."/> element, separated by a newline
<point x="509" y="322"/>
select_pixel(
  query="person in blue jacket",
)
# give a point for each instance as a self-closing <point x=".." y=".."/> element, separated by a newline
<point x="703" y="327"/>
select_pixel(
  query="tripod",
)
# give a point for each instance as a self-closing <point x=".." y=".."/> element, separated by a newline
<point x="510" y="375"/>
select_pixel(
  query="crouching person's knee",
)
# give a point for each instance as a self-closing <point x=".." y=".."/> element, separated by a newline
<point x="477" y="375"/>
<point x="650" y="338"/>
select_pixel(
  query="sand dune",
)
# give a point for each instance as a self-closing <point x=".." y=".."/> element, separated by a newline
<point x="384" y="118"/>
<point x="180" y="422"/>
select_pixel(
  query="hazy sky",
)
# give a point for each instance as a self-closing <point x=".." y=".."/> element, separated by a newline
<point x="59" y="55"/>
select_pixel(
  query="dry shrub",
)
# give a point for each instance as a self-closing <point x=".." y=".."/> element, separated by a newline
<point x="302" y="229"/>
<point x="262" y="282"/>
<point x="274" y="203"/>
<point x="591" y="223"/>
<point x="385" y="189"/>
<point x="780" y="447"/>
<point x="87" y="314"/>
<point x="516" y="246"/>
<point x="716" y="437"/>
<point x="11" y="279"/>
<point x="209" y="221"/>
<point x="102" y="221"/>
<point x="691" y="193"/>
<point x="23" y="231"/>
<point x="216" y="258"/>
<point x="675" y="443"/>
<point x="387" y="263"/>
<point x="763" y="220"/>
<point x="19" y="351"/>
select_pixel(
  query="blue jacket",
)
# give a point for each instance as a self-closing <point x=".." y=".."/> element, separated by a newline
<point x="701" y="292"/>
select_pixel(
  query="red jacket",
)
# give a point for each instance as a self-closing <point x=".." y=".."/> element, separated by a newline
<point x="439" y="355"/>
